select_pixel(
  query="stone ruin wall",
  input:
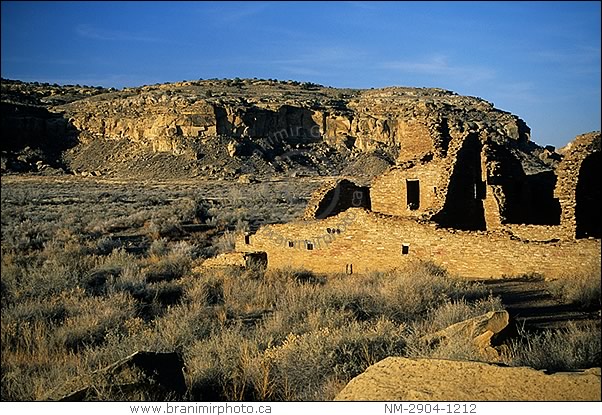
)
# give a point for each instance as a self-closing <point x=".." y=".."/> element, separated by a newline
<point x="336" y="196"/>
<point x="389" y="191"/>
<point x="569" y="171"/>
<point x="534" y="206"/>
<point x="390" y="196"/>
<point x="368" y="242"/>
<point x="389" y="236"/>
<point x="452" y="189"/>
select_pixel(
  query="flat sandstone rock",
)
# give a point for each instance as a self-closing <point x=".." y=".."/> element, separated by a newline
<point x="402" y="379"/>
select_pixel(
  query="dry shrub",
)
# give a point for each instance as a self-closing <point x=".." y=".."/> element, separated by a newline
<point x="412" y="291"/>
<point x="94" y="320"/>
<point x="452" y="312"/>
<point x="231" y="366"/>
<point x="575" y="347"/>
<point x="225" y="242"/>
<point x="218" y="368"/>
<point x="40" y="347"/>
<point x="582" y="289"/>
<point x="166" y="269"/>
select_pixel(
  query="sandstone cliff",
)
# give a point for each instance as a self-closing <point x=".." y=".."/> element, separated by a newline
<point x="236" y="126"/>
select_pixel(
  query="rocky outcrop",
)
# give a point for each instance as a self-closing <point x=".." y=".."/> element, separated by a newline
<point x="401" y="379"/>
<point x="168" y="117"/>
<point x="275" y="125"/>
<point x="478" y="330"/>
<point x="34" y="136"/>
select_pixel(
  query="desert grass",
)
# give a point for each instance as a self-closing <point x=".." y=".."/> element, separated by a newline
<point x="577" y="346"/>
<point x="291" y="335"/>
<point x="94" y="271"/>
<point x="582" y="289"/>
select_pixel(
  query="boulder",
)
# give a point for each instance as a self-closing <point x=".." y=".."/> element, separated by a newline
<point x="402" y="379"/>
<point x="478" y="329"/>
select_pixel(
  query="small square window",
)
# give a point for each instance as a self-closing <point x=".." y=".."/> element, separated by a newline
<point x="310" y="246"/>
<point x="291" y="244"/>
<point x="405" y="249"/>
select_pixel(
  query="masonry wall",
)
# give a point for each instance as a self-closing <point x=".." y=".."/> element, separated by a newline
<point x="415" y="137"/>
<point x="452" y="188"/>
<point x="568" y="172"/>
<point x="491" y="207"/>
<point x="335" y="197"/>
<point x="463" y="207"/>
<point x="538" y="233"/>
<point x="371" y="242"/>
<point x="388" y="192"/>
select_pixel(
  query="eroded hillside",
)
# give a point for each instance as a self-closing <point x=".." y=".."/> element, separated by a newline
<point x="224" y="128"/>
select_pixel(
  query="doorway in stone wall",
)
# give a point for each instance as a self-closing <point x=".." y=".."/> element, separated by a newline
<point x="413" y="193"/>
<point x="587" y="211"/>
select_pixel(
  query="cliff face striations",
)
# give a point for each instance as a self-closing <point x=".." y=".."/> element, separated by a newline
<point x="229" y="127"/>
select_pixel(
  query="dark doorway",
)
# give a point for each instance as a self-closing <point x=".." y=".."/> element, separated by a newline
<point x="413" y="196"/>
<point x="587" y="211"/>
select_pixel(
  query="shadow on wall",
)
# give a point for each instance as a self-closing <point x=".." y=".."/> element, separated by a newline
<point x="344" y="195"/>
<point x="528" y="199"/>
<point x="463" y="207"/>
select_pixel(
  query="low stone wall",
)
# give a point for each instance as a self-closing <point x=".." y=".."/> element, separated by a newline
<point x="360" y="241"/>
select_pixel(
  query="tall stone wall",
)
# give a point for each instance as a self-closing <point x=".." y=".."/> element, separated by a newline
<point x="360" y="241"/>
<point x="570" y="173"/>
<point x="450" y="191"/>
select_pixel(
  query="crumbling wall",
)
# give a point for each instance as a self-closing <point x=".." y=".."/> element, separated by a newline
<point x="360" y="241"/>
<point x="335" y="197"/>
<point x="237" y="259"/>
<point x="451" y="189"/>
<point x="522" y="185"/>
<point x="478" y="185"/>
<point x="578" y="187"/>
<point x="463" y="207"/>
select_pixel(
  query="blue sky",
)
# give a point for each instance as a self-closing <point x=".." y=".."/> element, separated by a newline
<point x="539" y="60"/>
